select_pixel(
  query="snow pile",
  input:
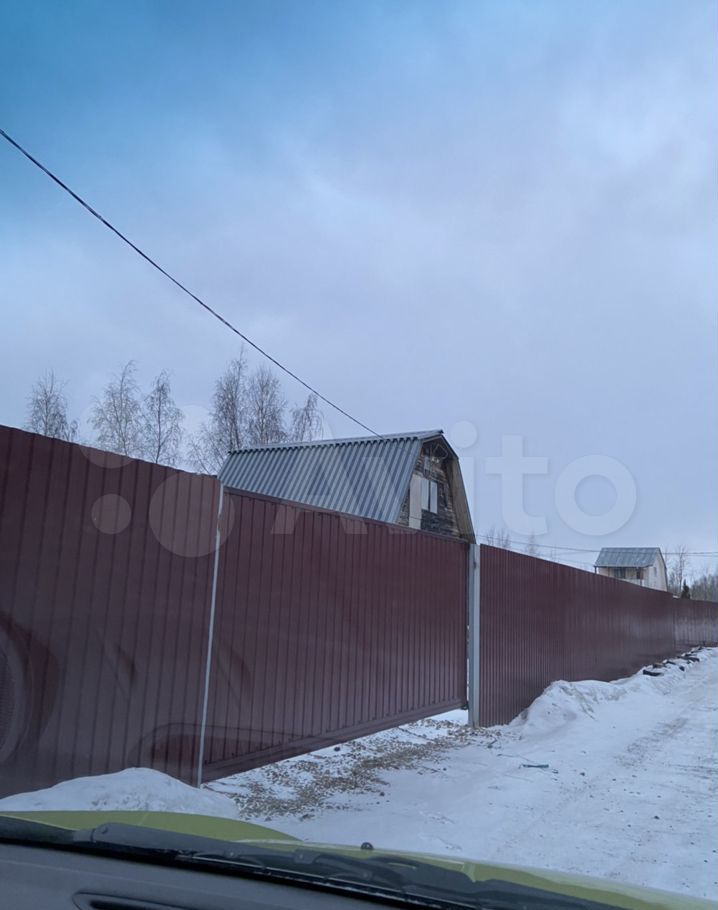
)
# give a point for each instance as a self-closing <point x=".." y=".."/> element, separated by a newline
<point x="562" y="702"/>
<point x="134" y="789"/>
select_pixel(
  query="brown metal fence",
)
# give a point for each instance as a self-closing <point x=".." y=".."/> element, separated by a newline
<point x="541" y="621"/>
<point x="695" y="623"/>
<point x="327" y="628"/>
<point x="324" y="627"/>
<point x="105" y="574"/>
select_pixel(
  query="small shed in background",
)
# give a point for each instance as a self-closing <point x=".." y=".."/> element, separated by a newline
<point x="410" y="479"/>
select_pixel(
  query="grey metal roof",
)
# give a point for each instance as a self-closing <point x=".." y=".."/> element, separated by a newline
<point x="367" y="476"/>
<point x="628" y="557"/>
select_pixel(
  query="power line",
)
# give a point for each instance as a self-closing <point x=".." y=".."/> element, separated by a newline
<point x="552" y="547"/>
<point x="689" y="553"/>
<point x="545" y="546"/>
<point x="179" y="284"/>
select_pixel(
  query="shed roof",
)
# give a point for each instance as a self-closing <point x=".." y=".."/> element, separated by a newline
<point x="627" y="557"/>
<point x="364" y="476"/>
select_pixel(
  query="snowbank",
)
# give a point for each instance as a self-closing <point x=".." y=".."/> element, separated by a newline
<point x="562" y="702"/>
<point x="134" y="789"/>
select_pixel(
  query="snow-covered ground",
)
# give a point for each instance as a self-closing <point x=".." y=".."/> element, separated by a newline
<point x="131" y="790"/>
<point x="616" y="780"/>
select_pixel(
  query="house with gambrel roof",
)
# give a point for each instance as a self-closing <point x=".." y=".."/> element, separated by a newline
<point x="410" y="479"/>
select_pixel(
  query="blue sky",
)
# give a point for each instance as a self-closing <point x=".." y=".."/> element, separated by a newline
<point x="493" y="212"/>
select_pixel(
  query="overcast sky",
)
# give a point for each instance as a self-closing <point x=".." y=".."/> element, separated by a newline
<point x="500" y="213"/>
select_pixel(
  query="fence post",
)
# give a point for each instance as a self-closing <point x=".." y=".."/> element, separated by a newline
<point x="210" y="636"/>
<point x="474" y="595"/>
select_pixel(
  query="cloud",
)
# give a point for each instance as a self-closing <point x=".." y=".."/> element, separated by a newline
<point x="500" y="214"/>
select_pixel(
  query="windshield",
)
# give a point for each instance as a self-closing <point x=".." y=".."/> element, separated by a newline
<point x="357" y="438"/>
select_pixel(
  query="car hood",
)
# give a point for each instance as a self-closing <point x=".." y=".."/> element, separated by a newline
<point x="629" y="897"/>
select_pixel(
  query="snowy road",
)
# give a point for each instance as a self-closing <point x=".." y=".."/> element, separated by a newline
<point x="629" y="794"/>
<point x="627" y="790"/>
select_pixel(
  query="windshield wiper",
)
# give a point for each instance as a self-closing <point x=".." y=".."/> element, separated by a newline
<point x="391" y="877"/>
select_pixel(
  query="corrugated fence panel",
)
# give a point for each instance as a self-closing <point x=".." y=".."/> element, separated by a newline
<point x="695" y="622"/>
<point x="541" y="621"/>
<point x="105" y="568"/>
<point x="328" y="627"/>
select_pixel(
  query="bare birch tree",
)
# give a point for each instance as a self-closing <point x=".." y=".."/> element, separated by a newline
<point x="47" y="409"/>
<point x="117" y="415"/>
<point x="677" y="566"/>
<point x="265" y="409"/>
<point x="161" y="423"/>
<point x="226" y="429"/>
<point x="249" y="409"/>
<point x="498" y="537"/>
<point x="306" y="421"/>
<point x="531" y="549"/>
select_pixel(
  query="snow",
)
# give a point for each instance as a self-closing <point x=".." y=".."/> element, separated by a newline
<point x="615" y="780"/>
<point x="134" y="789"/>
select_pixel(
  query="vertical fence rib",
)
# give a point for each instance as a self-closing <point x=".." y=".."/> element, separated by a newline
<point x="473" y="588"/>
<point x="210" y="636"/>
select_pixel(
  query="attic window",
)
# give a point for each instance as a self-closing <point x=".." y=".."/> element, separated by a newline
<point x="429" y="495"/>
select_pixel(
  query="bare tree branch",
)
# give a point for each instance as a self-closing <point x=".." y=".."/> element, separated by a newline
<point x="306" y="421"/>
<point x="250" y="410"/>
<point x="266" y="407"/>
<point x="226" y="429"/>
<point x="47" y="409"/>
<point x="498" y="537"/>
<point x="705" y="586"/>
<point x="117" y="418"/>
<point x="161" y="423"/>
<point x="677" y="567"/>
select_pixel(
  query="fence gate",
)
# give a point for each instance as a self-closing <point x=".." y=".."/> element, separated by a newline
<point x="328" y="628"/>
